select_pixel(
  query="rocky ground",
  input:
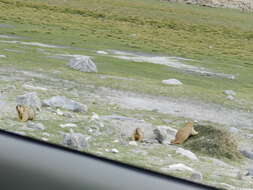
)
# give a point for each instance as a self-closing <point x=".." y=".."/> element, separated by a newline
<point x="66" y="117"/>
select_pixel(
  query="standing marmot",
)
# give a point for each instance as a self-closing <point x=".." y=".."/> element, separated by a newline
<point x="184" y="133"/>
<point x="25" y="113"/>
<point x="138" y="135"/>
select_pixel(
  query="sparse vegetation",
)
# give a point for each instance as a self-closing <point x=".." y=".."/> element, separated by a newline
<point x="215" y="142"/>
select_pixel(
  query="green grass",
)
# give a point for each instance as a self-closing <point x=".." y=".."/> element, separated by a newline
<point x="217" y="39"/>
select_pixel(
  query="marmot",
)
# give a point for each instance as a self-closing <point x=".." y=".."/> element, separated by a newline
<point x="25" y="113"/>
<point x="138" y="135"/>
<point x="184" y="133"/>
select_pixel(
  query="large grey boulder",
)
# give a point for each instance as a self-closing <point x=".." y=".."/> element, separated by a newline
<point x="76" y="140"/>
<point x="247" y="153"/>
<point x="30" y="99"/>
<point x="164" y="134"/>
<point x="65" y="103"/>
<point x="82" y="63"/>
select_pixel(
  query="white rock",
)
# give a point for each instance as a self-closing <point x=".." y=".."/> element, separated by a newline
<point x="114" y="150"/>
<point x="94" y="117"/>
<point x="59" y="112"/>
<point x="44" y="139"/>
<point x="230" y="97"/>
<point x="68" y="125"/>
<point x="187" y="154"/>
<point x="29" y="87"/>
<point x="65" y="103"/>
<point x="178" y="167"/>
<point x="196" y="176"/>
<point x="82" y="63"/>
<point x="233" y="130"/>
<point x="133" y="143"/>
<point x="102" y="52"/>
<point x="172" y="82"/>
<point x="2" y="56"/>
<point x="229" y="92"/>
<point x="116" y="141"/>
<point x="46" y="134"/>
<point x="30" y="99"/>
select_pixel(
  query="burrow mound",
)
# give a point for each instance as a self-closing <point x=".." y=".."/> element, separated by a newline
<point x="214" y="142"/>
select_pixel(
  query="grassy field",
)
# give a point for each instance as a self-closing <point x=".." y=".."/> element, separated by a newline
<point x="217" y="39"/>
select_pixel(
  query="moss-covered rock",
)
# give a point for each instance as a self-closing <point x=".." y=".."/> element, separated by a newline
<point x="213" y="141"/>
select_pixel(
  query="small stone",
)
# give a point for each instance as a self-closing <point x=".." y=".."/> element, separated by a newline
<point x="172" y="82"/>
<point x="102" y="52"/>
<point x="133" y="143"/>
<point x="233" y="130"/>
<point x="116" y="141"/>
<point x="44" y="139"/>
<point x="196" y="176"/>
<point x="33" y="125"/>
<point x="65" y="103"/>
<point x="59" y="112"/>
<point x="178" y="167"/>
<point x="247" y="153"/>
<point x="229" y="92"/>
<point x="67" y="125"/>
<point x="30" y="99"/>
<point x="76" y="140"/>
<point x="46" y="134"/>
<point x="2" y="56"/>
<point x="82" y="63"/>
<point x="230" y="97"/>
<point x="187" y="154"/>
<point x="114" y="150"/>
<point x="19" y="133"/>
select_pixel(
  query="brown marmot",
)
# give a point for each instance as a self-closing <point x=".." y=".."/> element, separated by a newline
<point x="184" y="133"/>
<point x="138" y="135"/>
<point x="25" y="113"/>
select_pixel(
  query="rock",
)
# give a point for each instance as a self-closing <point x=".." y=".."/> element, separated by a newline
<point x="30" y="99"/>
<point x="19" y="133"/>
<point x="196" y="176"/>
<point x="178" y="167"/>
<point x="2" y="56"/>
<point x="160" y="134"/>
<point x="94" y="117"/>
<point x="83" y="64"/>
<point x="233" y="130"/>
<point x="133" y="143"/>
<point x="76" y="140"/>
<point x="67" y="125"/>
<point x="46" y="134"/>
<point x="114" y="150"/>
<point x="230" y="97"/>
<point x="250" y="172"/>
<point x="172" y="82"/>
<point x="247" y="153"/>
<point x="33" y="125"/>
<point x="102" y="52"/>
<point x="44" y="139"/>
<point x="65" y="103"/>
<point x="164" y="134"/>
<point x="59" y="112"/>
<point x="187" y="154"/>
<point x="29" y="87"/>
<point x="229" y="92"/>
